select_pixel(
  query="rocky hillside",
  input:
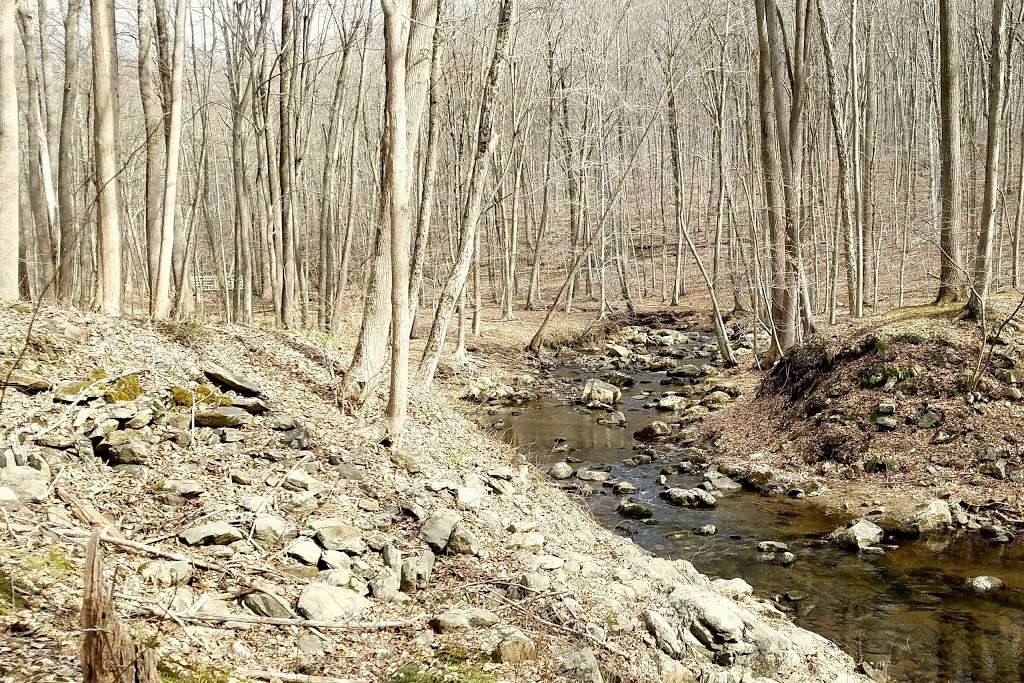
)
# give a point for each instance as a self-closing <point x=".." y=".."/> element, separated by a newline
<point x="254" y="530"/>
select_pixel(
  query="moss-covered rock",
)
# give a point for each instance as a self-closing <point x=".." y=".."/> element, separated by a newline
<point x="127" y="388"/>
<point x="204" y="394"/>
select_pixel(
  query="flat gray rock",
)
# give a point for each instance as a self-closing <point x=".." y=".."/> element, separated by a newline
<point x="226" y="379"/>
<point x="214" y="533"/>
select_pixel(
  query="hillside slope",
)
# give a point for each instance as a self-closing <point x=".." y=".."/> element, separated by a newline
<point x="895" y="409"/>
<point x="449" y="557"/>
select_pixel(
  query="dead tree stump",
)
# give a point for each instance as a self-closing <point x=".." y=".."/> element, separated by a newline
<point x="108" y="653"/>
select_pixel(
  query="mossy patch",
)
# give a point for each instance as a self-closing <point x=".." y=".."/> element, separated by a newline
<point x="127" y="388"/>
<point x="887" y="376"/>
<point x="12" y="594"/>
<point x="182" y="673"/>
<point x="453" y="666"/>
<point x="204" y="394"/>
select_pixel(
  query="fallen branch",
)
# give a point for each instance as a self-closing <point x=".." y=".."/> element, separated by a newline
<point x="144" y="548"/>
<point x="280" y="621"/>
<point x="295" y="678"/>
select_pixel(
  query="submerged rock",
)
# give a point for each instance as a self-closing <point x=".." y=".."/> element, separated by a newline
<point x="984" y="584"/>
<point x="633" y="510"/>
<point x="694" y="498"/>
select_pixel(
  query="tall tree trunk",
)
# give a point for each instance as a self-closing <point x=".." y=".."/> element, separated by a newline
<point x="10" y="223"/>
<point x="105" y="116"/>
<point x="152" y="112"/>
<point x="471" y="212"/>
<point x="993" y="154"/>
<point x="161" y="306"/>
<point x="951" y="280"/>
<point x="70" y="239"/>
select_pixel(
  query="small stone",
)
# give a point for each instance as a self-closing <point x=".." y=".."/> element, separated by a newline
<point x="251" y="405"/>
<point x="165" y="573"/>
<point x="335" y="533"/>
<point x="267" y="605"/>
<point x="229" y="380"/>
<point x="664" y="635"/>
<point x="624" y="488"/>
<point x="694" y="498"/>
<point x="223" y="416"/>
<point x="655" y="430"/>
<point x="860" y="534"/>
<point x="706" y="530"/>
<point x="514" y="647"/>
<point x="532" y="541"/>
<point x="771" y="547"/>
<point x="463" y="542"/>
<point x="416" y="570"/>
<point x="561" y="470"/>
<point x="272" y="530"/>
<point x="464" y="619"/>
<point x="321" y="602"/>
<point x="634" y="510"/>
<point x="186" y="488"/>
<point x="438" y="527"/>
<point x="529" y="584"/>
<point x="386" y="584"/>
<point x="304" y="550"/>
<point x="214" y="533"/>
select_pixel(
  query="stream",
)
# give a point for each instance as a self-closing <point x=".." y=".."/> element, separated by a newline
<point x="907" y="607"/>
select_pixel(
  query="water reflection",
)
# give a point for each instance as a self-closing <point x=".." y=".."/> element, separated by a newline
<point x="907" y="607"/>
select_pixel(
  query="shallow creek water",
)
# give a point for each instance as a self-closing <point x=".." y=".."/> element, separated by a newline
<point x="907" y="607"/>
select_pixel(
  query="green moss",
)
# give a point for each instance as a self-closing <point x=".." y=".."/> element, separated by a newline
<point x="880" y="465"/>
<point x="887" y="376"/>
<point x="127" y="388"/>
<point x="11" y="592"/>
<point x="204" y="394"/>
<point x="180" y="673"/>
<point x="465" y="670"/>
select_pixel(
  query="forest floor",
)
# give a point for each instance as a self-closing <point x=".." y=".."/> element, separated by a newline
<point x="255" y="530"/>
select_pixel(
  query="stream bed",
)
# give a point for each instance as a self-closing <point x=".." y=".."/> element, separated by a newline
<point x="907" y="607"/>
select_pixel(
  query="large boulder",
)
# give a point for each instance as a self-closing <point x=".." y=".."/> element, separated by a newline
<point x="860" y="534"/>
<point x="601" y="391"/>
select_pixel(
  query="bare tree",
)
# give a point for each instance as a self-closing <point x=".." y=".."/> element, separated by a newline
<point x="105" y="117"/>
<point x="9" y="200"/>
